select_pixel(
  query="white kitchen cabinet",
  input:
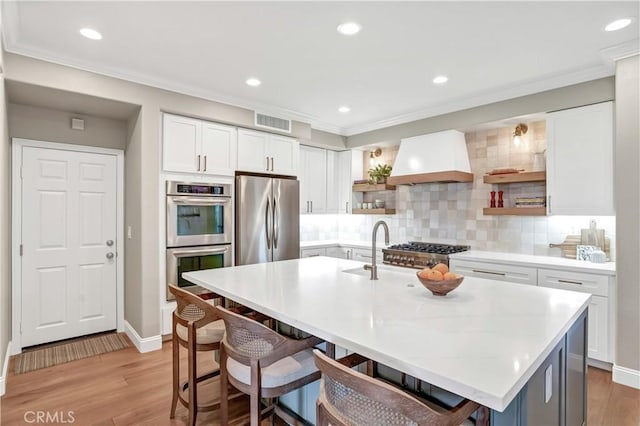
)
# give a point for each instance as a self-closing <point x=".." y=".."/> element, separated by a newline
<point x="580" y="161"/>
<point x="267" y="153"/>
<point x="196" y="146"/>
<point x="340" y="252"/>
<point x="364" y="255"/>
<point x="600" y="323"/>
<point x="313" y="180"/>
<point x="313" y="252"/>
<point x="495" y="271"/>
<point x="349" y="169"/>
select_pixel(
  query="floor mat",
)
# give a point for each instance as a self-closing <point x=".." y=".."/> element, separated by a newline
<point x="67" y="352"/>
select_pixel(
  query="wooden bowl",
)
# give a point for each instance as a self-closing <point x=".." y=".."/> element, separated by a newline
<point x="440" y="288"/>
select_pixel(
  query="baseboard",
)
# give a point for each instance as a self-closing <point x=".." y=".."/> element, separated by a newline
<point x="599" y="364"/>
<point x="146" y="344"/>
<point x="626" y="376"/>
<point x="5" y="368"/>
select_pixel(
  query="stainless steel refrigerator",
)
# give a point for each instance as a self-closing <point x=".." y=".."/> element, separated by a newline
<point x="267" y="219"/>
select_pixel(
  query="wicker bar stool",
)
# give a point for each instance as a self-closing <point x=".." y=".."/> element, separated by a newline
<point x="263" y="364"/>
<point x="197" y="327"/>
<point x="355" y="399"/>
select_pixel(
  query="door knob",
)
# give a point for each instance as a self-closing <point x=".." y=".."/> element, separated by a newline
<point x="109" y="243"/>
<point x="110" y="255"/>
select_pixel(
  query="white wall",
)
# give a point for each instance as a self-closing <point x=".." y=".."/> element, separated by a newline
<point x="30" y="122"/>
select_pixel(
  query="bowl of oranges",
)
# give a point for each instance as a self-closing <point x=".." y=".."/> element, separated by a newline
<point x="439" y="280"/>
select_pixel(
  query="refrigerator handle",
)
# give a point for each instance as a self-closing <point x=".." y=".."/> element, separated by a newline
<point x="266" y="227"/>
<point x="276" y="231"/>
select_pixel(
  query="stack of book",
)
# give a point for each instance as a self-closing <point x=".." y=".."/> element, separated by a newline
<point x="530" y="202"/>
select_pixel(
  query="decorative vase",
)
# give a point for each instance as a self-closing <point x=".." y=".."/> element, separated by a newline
<point x="493" y="199"/>
<point x="500" y="201"/>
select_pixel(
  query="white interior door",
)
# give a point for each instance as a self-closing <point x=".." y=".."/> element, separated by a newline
<point x="69" y="217"/>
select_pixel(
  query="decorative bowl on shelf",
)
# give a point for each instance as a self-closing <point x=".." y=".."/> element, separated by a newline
<point x="378" y="204"/>
<point x="440" y="287"/>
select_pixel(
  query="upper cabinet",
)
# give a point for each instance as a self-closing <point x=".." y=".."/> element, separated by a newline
<point x="267" y="153"/>
<point x="313" y="180"/>
<point x="347" y="168"/>
<point x="325" y="179"/>
<point x="580" y="161"/>
<point x="197" y="146"/>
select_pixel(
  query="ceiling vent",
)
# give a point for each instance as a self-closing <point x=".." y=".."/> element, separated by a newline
<point x="273" y="123"/>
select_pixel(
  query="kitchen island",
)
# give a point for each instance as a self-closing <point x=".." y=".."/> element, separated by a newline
<point x="487" y="340"/>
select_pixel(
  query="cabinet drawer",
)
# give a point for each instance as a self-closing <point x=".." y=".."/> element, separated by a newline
<point x="586" y="283"/>
<point x="312" y="252"/>
<point x="364" y="255"/>
<point x="495" y="271"/>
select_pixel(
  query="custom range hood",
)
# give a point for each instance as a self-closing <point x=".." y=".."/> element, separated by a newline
<point x="436" y="157"/>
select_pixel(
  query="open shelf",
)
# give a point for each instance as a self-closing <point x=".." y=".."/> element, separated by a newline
<point x="515" y="211"/>
<point x="516" y="177"/>
<point x="373" y="211"/>
<point x="366" y="187"/>
<point x="443" y="177"/>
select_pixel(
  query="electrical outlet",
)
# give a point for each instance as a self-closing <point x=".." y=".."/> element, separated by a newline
<point x="548" y="383"/>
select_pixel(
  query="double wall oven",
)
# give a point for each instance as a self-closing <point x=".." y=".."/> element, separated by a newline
<point x="199" y="228"/>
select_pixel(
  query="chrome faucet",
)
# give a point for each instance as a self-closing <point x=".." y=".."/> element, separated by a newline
<point x="373" y="268"/>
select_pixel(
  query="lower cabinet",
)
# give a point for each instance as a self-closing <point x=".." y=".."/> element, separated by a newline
<point x="599" y="286"/>
<point x="495" y="271"/>
<point x="364" y="255"/>
<point x="340" y="252"/>
<point x="312" y="252"/>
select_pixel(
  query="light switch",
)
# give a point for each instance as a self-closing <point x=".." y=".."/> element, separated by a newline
<point x="548" y="383"/>
<point x="129" y="232"/>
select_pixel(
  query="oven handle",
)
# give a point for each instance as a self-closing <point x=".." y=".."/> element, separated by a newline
<point x="184" y="253"/>
<point x="201" y="201"/>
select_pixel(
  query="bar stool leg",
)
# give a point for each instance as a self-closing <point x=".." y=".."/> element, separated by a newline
<point x="176" y="371"/>
<point x="193" y="384"/>
<point x="224" y="388"/>
<point x="254" y="406"/>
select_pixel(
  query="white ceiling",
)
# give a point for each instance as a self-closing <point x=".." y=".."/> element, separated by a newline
<point x="489" y="50"/>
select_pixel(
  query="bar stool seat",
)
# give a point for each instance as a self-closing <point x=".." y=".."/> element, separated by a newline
<point x="210" y="333"/>
<point x="286" y="370"/>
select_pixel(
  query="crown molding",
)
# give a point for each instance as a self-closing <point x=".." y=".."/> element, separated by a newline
<point x="488" y="97"/>
<point x="624" y="50"/>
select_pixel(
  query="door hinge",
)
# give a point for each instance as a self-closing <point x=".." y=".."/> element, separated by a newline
<point x="21" y="249"/>
<point x="20" y="327"/>
<point x="20" y="172"/>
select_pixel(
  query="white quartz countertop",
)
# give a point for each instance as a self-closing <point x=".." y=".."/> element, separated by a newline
<point x="482" y="341"/>
<point x="608" y="268"/>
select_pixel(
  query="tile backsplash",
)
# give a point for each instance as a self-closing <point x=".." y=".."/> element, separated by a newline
<point x="452" y="212"/>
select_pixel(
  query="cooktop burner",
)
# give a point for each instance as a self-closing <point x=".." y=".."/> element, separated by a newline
<point x="415" y="254"/>
<point x="428" y="247"/>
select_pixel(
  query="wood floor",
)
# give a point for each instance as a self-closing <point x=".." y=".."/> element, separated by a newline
<point x="129" y="388"/>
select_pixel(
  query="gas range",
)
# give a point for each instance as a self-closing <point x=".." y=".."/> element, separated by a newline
<point x="420" y="255"/>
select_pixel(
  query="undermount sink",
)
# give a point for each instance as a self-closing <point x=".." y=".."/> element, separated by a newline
<point x="381" y="269"/>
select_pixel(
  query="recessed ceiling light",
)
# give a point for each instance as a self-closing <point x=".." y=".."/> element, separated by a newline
<point x="618" y="24"/>
<point x="344" y="109"/>
<point x="349" y="28"/>
<point x="90" y="33"/>
<point x="253" y="82"/>
<point x="441" y="79"/>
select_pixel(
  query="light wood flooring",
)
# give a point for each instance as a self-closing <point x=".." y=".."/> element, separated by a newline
<point x="129" y="388"/>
